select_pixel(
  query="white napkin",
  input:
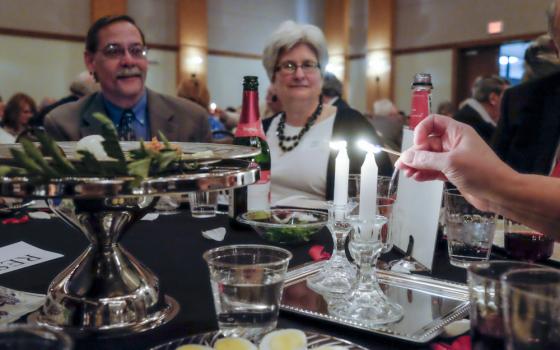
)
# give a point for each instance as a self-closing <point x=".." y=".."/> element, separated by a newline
<point x="15" y="304"/>
<point x="39" y="215"/>
<point x="150" y="216"/>
<point x="217" y="234"/>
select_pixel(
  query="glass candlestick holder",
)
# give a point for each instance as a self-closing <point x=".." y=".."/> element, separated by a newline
<point x="366" y="302"/>
<point x="338" y="275"/>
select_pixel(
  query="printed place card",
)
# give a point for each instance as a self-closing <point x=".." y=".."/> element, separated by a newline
<point x="20" y="255"/>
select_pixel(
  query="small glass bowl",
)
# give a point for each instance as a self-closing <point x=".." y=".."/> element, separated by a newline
<point x="285" y="226"/>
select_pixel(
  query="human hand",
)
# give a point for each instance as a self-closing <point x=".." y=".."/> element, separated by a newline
<point x="445" y="149"/>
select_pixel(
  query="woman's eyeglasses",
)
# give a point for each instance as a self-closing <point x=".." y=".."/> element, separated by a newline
<point x="118" y="51"/>
<point x="290" y="67"/>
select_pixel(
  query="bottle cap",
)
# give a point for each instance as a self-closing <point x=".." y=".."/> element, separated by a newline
<point x="250" y="83"/>
<point x="422" y="79"/>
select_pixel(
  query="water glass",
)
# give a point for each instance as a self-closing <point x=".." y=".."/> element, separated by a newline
<point x="470" y="232"/>
<point x="524" y="243"/>
<point x="27" y="336"/>
<point x="486" y="312"/>
<point x="203" y="204"/>
<point x="247" y="283"/>
<point x="531" y="302"/>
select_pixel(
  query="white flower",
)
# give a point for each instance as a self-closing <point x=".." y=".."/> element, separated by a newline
<point x="92" y="144"/>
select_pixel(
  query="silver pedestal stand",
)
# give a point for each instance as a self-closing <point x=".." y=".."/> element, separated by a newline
<point x="106" y="289"/>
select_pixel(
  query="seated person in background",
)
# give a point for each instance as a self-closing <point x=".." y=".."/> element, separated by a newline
<point x="388" y="122"/>
<point x="332" y="91"/>
<point x="273" y="105"/>
<point x="482" y="110"/>
<point x="83" y="85"/>
<point x="194" y="90"/>
<point x="116" y="56"/>
<point x="447" y="150"/>
<point x="295" y="58"/>
<point x="541" y="59"/>
<point x="528" y="133"/>
<point x="19" y="110"/>
<point x="446" y="108"/>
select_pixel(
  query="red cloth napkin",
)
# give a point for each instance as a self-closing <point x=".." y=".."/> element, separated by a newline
<point x="461" y="343"/>
<point x="317" y="253"/>
<point x="21" y="220"/>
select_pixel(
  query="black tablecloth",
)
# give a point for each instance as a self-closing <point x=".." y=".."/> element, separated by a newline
<point x="172" y="248"/>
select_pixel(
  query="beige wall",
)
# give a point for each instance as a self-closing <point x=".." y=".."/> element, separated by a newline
<point x="433" y="22"/>
<point x="54" y="16"/>
<point x="44" y="68"/>
<point x="157" y="18"/>
<point x="37" y="67"/>
<point x="438" y="63"/>
<point x="243" y="26"/>
<point x="225" y="78"/>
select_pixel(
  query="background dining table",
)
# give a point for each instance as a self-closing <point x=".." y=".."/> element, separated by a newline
<point x="172" y="247"/>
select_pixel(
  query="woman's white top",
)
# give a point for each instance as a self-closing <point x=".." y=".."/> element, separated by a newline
<point x="6" y="137"/>
<point x="303" y="170"/>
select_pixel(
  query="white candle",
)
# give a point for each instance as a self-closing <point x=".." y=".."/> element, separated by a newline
<point x="342" y="170"/>
<point x="368" y="188"/>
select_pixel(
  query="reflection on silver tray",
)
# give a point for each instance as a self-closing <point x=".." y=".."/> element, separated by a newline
<point x="192" y="151"/>
<point x="429" y="304"/>
<point x="314" y="340"/>
<point x="227" y="173"/>
<point x="9" y="205"/>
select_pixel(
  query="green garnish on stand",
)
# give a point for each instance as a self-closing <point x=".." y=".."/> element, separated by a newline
<point x="48" y="162"/>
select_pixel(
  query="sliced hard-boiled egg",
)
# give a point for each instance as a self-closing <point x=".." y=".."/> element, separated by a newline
<point x="284" y="339"/>
<point x="193" y="347"/>
<point x="331" y="347"/>
<point x="234" y="344"/>
<point x="93" y="144"/>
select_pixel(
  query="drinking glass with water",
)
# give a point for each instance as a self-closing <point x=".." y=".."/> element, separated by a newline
<point x="470" y="232"/>
<point x="247" y="282"/>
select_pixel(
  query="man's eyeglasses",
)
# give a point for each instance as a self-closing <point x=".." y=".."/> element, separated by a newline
<point x="117" y="51"/>
<point x="290" y="67"/>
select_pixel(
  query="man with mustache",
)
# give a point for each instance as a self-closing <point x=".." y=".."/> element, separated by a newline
<point x="116" y="56"/>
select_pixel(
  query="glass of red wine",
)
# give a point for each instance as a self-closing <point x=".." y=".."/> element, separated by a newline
<point x="524" y="243"/>
<point x="485" y="294"/>
<point x="531" y="304"/>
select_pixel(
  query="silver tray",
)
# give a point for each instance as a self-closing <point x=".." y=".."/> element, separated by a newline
<point x="429" y="304"/>
<point x="222" y="175"/>
<point x="314" y="340"/>
<point x="192" y="151"/>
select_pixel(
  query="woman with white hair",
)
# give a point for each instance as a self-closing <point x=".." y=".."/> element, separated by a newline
<point x="302" y="162"/>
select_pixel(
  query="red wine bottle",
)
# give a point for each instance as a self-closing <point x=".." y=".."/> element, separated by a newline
<point x="250" y="133"/>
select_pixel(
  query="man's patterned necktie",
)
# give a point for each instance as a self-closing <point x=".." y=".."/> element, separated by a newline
<point x="126" y="126"/>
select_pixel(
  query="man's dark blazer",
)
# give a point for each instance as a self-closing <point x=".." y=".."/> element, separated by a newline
<point x="529" y="128"/>
<point x="177" y="118"/>
<point x="469" y="115"/>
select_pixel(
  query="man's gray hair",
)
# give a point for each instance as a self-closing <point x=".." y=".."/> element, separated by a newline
<point x="485" y="85"/>
<point x="288" y="35"/>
